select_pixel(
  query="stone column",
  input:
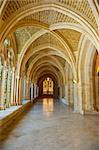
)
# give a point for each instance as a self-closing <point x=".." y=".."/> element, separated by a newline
<point x="20" y="91"/>
<point x="87" y="104"/>
<point x="35" y="90"/>
<point x="17" y="90"/>
<point x="92" y="94"/>
<point x="12" y="86"/>
<point x="24" y="88"/>
<point x="66" y="94"/>
<point x="68" y="83"/>
<point x="78" y="103"/>
<point x="31" y="91"/>
<point x="71" y="88"/>
<point x="14" y="96"/>
<point x="66" y="86"/>
<point x="4" y="73"/>
<point x="29" y="87"/>
<point x="9" y="78"/>
<point x="27" y="90"/>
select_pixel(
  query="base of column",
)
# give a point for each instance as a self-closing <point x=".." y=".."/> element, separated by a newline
<point x="64" y="100"/>
<point x="82" y="112"/>
<point x="76" y="111"/>
<point x="8" y="105"/>
<point x="79" y="111"/>
<point x="14" y="104"/>
<point x="2" y="108"/>
<point x="19" y="103"/>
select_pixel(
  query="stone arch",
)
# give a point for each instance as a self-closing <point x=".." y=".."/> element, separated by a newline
<point x="56" y="51"/>
<point x="52" y="63"/>
<point x="39" y="34"/>
<point x="30" y="10"/>
<point x="40" y="83"/>
<point x="56" y="26"/>
<point x="85" y="85"/>
<point x="47" y="70"/>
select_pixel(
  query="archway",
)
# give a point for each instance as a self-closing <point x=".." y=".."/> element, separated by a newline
<point x="48" y="86"/>
<point x="88" y="78"/>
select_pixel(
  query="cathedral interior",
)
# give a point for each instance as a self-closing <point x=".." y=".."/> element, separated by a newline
<point x="49" y="75"/>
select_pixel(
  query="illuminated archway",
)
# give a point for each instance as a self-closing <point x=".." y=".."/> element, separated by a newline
<point x="48" y="86"/>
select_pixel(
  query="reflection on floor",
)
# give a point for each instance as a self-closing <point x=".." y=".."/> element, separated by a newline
<point x="49" y="125"/>
<point x="47" y="106"/>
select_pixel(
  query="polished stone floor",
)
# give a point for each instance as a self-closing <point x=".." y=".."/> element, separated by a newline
<point x="50" y="125"/>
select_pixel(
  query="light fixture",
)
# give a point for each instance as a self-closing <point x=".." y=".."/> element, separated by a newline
<point x="74" y="81"/>
<point x="98" y="70"/>
<point x="47" y="78"/>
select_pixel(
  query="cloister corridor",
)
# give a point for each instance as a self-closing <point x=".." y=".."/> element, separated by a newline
<point x="51" y="125"/>
<point x="49" y="74"/>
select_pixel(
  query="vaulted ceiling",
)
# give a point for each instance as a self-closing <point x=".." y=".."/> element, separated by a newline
<point x="48" y="30"/>
<point x="80" y="6"/>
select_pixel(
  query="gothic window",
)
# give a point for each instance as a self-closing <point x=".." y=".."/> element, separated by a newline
<point x="48" y="86"/>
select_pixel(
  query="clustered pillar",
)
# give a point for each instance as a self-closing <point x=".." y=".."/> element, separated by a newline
<point x="7" y="87"/>
<point x="29" y="90"/>
<point x="67" y="89"/>
<point x="13" y="88"/>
